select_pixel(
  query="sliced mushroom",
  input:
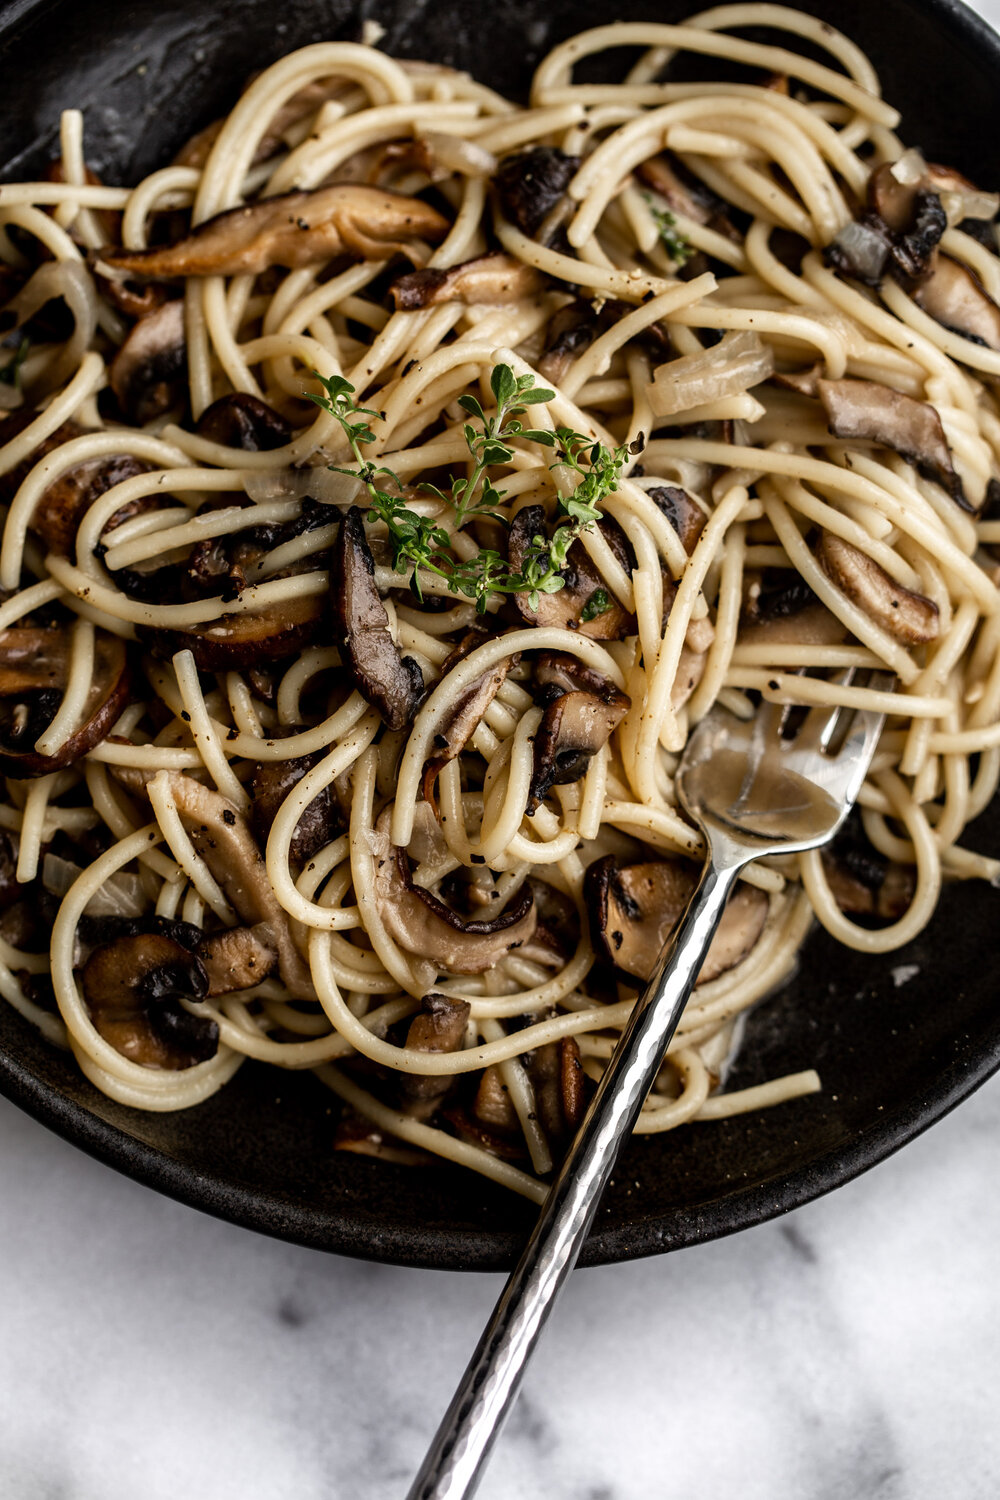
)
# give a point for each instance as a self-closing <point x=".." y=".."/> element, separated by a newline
<point x="779" y="608"/>
<point x="865" y="409"/>
<point x="864" y="883"/>
<point x="238" y="958"/>
<point x="893" y="199"/>
<point x="558" y="672"/>
<point x="905" y="615"/>
<point x="492" y="1106"/>
<point x="221" y="835"/>
<point x="390" y="682"/>
<point x="439" y="1026"/>
<point x="34" y="668"/>
<point x="531" y="184"/>
<point x="954" y="297"/>
<point x="574" y="727"/>
<point x="583" y="604"/>
<point x="424" y="926"/>
<point x="320" y="823"/>
<point x="133" y="988"/>
<point x="686" y="195"/>
<point x="684" y="514"/>
<point x="634" y="910"/>
<point x="557" y="936"/>
<point x="249" y="639"/>
<point x="574" y="327"/>
<point x="63" y="504"/>
<point x="240" y="420"/>
<point x="465" y="718"/>
<point x="293" y="230"/>
<point x="560" y="1084"/>
<point x="494" y="279"/>
<point x="361" y="1138"/>
<point x="148" y="372"/>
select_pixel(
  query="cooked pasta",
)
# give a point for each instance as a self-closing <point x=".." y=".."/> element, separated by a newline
<point x="393" y="480"/>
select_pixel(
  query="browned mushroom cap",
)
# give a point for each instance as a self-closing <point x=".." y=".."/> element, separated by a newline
<point x="319" y="824"/>
<point x="293" y="230"/>
<point x="954" y="297"/>
<point x="891" y="199"/>
<point x="34" y="666"/>
<point x="573" y="728"/>
<point x="684" y="514"/>
<point x="780" y="608"/>
<point x="865" y="409"/>
<point x="494" y="279"/>
<point x="62" y="506"/>
<point x="221" y="835"/>
<point x="240" y="420"/>
<point x="909" y="617"/>
<point x="583" y="604"/>
<point x="560" y="1085"/>
<point x="424" y="926"/>
<point x="148" y="372"/>
<point x="531" y="184"/>
<point x="438" y="1027"/>
<point x="686" y="195"/>
<point x="390" y="682"/>
<point x="238" y="958"/>
<point x="634" y="910"/>
<point x="882" y="890"/>
<point x="133" y="988"/>
<point x="914" y="216"/>
<point x="574" y="327"/>
<point x="250" y="639"/>
<point x="557" y="671"/>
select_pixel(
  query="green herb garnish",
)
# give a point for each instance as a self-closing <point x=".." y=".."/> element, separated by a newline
<point x="10" y="374"/>
<point x="598" y="602"/>
<point x="419" y="542"/>
<point x="677" y="247"/>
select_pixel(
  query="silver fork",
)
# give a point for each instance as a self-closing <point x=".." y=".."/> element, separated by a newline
<point x="752" y="792"/>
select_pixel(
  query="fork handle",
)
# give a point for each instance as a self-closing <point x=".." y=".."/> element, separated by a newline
<point x="457" y="1456"/>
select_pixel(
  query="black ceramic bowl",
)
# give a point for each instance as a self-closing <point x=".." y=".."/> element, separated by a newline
<point x="893" y="1057"/>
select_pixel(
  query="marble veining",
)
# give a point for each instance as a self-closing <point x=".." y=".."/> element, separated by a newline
<point x="846" y="1352"/>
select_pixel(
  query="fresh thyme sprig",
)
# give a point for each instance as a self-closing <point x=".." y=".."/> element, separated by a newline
<point x="677" y="247"/>
<point x="420" y="542"/>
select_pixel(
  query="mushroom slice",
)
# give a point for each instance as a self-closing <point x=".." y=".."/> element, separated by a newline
<point x="531" y="183"/>
<point x="684" y="514"/>
<point x="634" y="910"/>
<point x="293" y="230"/>
<point x="238" y="958"/>
<point x="243" y="640"/>
<point x="573" y="728"/>
<point x="221" y="836"/>
<point x="240" y="420"/>
<point x="34" y="668"/>
<point x="438" y="1027"/>
<point x="456" y="731"/>
<point x="558" y="672"/>
<point x="861" y="880"/>
<point x="557" y="935"/>
<point x="575" y="326"/>
<point x="361" y="1138"/>
<point x="62" y="506"/>
<point x="133" y="988"/>
<point x="583" y="604"/>
<point x="148" y="372"/>
<point x="422" y="925"/>
<point x="319" y="824"/>
<point x="865" y="409"/>
<point x="556" y="1071"/>
<point x="685" y="194"/>
<point x="493" y="1107"/>
<point x="780" y="608"/>
<point x="907" y="616"/>
<point x="494" y="279"/>
<point x="954" y="297"/>
<point x="390" y="682"/>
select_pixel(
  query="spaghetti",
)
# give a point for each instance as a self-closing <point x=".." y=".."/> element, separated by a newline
<point x="393" y="480"/>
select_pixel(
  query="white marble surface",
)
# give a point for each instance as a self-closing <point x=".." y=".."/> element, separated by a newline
<point x="847" y="1352"/>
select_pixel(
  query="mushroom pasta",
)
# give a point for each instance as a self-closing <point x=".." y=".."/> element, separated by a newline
<point x="393" y="479"/>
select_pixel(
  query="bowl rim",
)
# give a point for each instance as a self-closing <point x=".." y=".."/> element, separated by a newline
<point x="332" y="1229"/>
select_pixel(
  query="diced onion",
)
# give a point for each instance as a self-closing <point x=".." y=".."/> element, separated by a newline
<point x="738" y="362"/>
<point x="970" y="205"/>
<point x="121" y="895"/>
<point x="863" y="250"/>
<point x="910" y="168"/>
<point x="325" y="485"/>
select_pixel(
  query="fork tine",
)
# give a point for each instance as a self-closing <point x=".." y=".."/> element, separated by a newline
<point x="823" y="724"/>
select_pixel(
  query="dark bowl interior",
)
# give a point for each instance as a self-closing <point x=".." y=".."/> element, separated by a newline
<point x="893" y="1056"/>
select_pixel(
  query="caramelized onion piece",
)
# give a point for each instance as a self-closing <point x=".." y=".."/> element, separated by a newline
<point x="293" y="230"/>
